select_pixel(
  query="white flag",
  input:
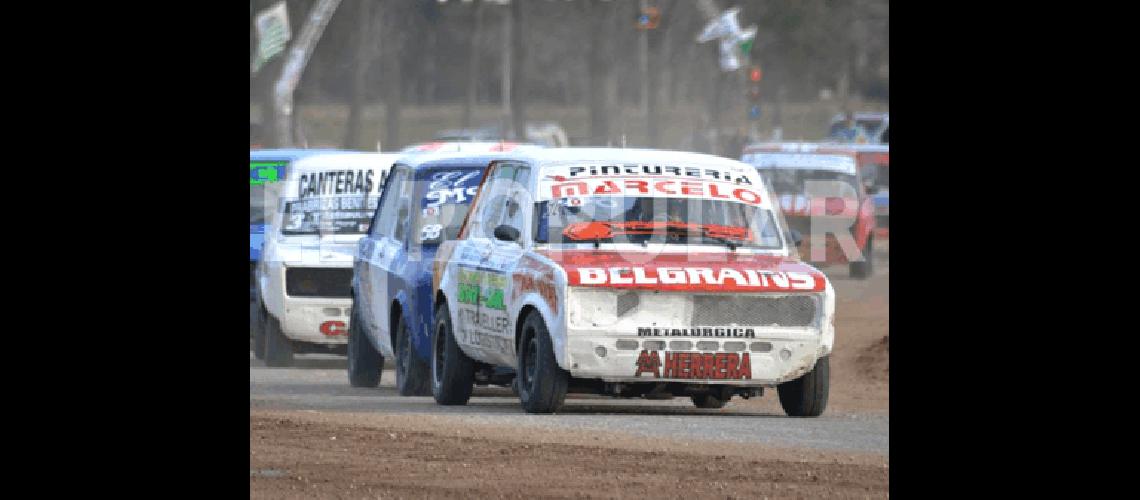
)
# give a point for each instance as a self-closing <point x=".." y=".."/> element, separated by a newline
<point x="272" y="33"/>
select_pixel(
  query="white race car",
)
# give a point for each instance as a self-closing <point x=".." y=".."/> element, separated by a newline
<point x="630" y="273"/>
<point x="318" y="214"/>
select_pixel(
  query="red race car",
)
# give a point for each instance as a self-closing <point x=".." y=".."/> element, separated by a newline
<point x="822" y="194"/>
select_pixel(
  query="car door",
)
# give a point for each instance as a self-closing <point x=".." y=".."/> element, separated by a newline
<point x="484" y="325"/>
<point x="385" y="250"/>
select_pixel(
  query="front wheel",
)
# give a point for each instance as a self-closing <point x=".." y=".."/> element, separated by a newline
<point x="708" y="401"/>
<point x="542" y="383"/>
<point x="411" y="371"/>
<point x="863" y="270"/>
<point x="452" y="372"/>
<point x="364" y="361"/>
<point x="278" y="348"/>
<point x="807" y="396"/>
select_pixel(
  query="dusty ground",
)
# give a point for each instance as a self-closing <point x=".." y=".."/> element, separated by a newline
<point x="311" y="435"/>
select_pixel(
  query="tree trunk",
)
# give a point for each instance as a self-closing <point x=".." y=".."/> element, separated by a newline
<point x="473" y="63"/>
<point x="393" y="78"/>
<point x="352" y="139"/>
<point x="297" y="58"/>
<point x="518" y="73"/>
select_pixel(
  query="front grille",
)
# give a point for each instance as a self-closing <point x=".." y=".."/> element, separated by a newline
<point x="725" y="310"/>
<point x="318" y="282"/>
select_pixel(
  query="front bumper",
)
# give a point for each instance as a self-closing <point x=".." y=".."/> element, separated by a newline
<point x="316" y="320"/>
<point x="772" y="357"/>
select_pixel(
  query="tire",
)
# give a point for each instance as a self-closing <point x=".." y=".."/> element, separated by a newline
<point x="364" y="361"/>
<point x="863" y="270"/>
<point x="259" y="332"/>
<point x="452" y="372"/>
<point x="708" y="401"/>
<point x="278" y="348"/>
<point x="411" y="371"/>
<point x="542" y="383"/>
<point x="807" y="396"/>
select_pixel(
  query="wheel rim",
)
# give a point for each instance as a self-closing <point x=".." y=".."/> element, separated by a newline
<point x="529" y="366"/>
<point x="437" y="359"/>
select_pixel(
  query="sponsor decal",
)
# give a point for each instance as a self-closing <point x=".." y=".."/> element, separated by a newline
<point x="654" y="187"/>
<point x="470" y="289"/>
<point x="261" y="172"/>
<point x="334" y="328"/>
<point x="532" y="275"/>
<point x="746" y="333"/>
<point x="695" y="365"/>
<point x="744" y="278"/>
<point x="337" y="182"/>
<point x="580" y="171"/>
<point x="458" y="186"/>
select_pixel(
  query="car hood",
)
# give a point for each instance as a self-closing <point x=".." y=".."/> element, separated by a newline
<point x="693" y="271"/>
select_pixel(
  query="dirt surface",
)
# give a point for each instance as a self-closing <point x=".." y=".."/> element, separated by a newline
<point x="311" y="435"/>
<point x="295" y="456"/>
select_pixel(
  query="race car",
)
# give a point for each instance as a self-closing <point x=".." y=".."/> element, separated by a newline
<point x="266" y="166"/>
<point x="874" y="161"/>
<point x="631" y="273"/>
<point x="321" y="209"/>
<point x="426" y="201"/>
<point x="822" y="195"/>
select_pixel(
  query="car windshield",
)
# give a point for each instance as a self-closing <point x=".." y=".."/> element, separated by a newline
<point x="328" y="215"/>
<point x="810" y="182"/>
<point x="444" y="196"/>
<point x="686" y="221"/>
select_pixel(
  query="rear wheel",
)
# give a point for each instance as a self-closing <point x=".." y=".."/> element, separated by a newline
<point x="452" y="372"/>
<point x="278" y="348"/>
<point x="862" y="270"/>
<point x="364" y="361"/>
<point x="807" y="396"/>
<point x="542" y="383"/>
<point x="411" y="371"/>
<point x="259" y="332"/>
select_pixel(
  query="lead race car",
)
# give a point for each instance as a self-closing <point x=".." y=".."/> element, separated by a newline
<point x="630" y="273"/>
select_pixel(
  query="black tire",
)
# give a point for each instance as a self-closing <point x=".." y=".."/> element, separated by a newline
<point x="708" y="401"/>
<point x="452" y="372"/>
<point x="542" y="383"/>
<point x="412" y="377"/>
<point x="364" y="361"/>
<point x="278" y="348"/>
<point x="807" y="396"/>
<point x="259" y="332"/>
<point x="863" y="270"/>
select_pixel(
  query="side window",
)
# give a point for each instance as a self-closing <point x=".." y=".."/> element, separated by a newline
<point x="384" y="223"/>
<point x="516" y="201"/>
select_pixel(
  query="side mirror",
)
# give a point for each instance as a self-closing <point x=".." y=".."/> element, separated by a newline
<point x="796" y="237"/>
<point x="506" y="233"/>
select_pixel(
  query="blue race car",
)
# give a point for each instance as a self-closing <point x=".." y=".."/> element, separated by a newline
<point x="423" y="204"/>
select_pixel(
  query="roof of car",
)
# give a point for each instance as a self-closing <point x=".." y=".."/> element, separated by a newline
<point x="468" y="146"/>
<point x="625" y="155"/>
<point x="453" y="159"/>
<point x="289" y="154"/>
<point x="815" y="147"/>
<point x="346" y="159"/>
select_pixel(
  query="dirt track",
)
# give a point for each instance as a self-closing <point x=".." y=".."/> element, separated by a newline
<point x="313" y="435"/>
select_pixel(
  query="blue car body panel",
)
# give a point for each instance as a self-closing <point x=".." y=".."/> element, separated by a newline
<point x="410" y="279"/>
